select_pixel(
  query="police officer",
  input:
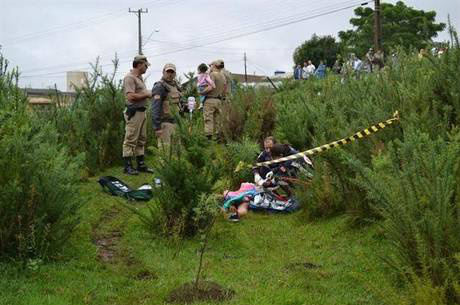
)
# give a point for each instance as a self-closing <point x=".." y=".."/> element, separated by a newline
<point x="212" y="109"/>
<point x="166" y="102"/>
<point x="228" y="80"/>
<point x="136" y="96"/>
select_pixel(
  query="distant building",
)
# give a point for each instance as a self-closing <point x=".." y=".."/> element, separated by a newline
<point x="44" y="97"/>
<point x="251" y="78"/>
<point x="76" y="80"/>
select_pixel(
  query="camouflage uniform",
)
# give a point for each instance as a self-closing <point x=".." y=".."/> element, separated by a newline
<point x="166" y="99"/>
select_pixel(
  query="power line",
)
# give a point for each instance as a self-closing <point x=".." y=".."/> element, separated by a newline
<point x="268" y="26"/>
<point x="200" y="40"/>
<point x="238" y="35"/>
<point x="79" y="25"/>
<point x="251" y="24"/>
<point x="269" y="13"/>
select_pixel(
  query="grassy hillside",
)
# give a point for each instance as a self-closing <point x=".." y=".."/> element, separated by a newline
<point x="265" y="259"/>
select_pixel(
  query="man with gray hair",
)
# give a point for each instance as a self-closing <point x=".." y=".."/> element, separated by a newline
<point x="136" y="96"/>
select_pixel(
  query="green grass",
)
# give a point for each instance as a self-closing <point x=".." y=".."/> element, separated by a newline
<point x="260" y="258"/>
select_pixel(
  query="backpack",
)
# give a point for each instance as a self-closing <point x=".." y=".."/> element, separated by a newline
<point x="116" y="187"/>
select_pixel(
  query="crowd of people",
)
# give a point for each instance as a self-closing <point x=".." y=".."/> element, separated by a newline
<point x="353" y="65"/>
<point x="165" y="97"/>
<point x="213" y="83"/>
<point x="309" y="70"/>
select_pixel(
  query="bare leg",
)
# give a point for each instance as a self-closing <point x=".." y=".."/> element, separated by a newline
<point x="243" y="209"/>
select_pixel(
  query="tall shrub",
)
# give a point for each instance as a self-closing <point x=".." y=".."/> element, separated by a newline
<point x="93" y="124"/>
<point x="415" y="189"/>
<point x="39" y="197"/>
<point x="251" y="113"/>
<point x="188" y="171"/>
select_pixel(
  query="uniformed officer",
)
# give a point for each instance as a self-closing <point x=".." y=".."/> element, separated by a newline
<point x="166" y="102"/>
<point x="212" y="109"/>
<point x="228" y="80"/>
<point x="136" y="96"/>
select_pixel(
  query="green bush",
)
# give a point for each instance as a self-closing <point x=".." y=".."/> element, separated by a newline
<point x="39" y="199"/>
<point x="230" y="156"/>
<point x="415" y="189"/>
<point x="251" y="113"/>
<point x="188" y="171"/>
<point x="93" y="124"/>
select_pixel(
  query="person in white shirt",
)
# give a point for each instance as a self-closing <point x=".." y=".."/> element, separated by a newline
<point x="308" y="69"/>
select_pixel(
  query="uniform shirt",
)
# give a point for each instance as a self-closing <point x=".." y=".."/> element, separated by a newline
<point x="166" y="96"/>
<point x="134" y="84"/>
<point x="159" y="94"/>
<point x="220" y="82"/>
<point x="228" y="79"/>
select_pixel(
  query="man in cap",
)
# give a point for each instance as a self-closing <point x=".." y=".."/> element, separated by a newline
<point x="166" y="99"/>
<point x="212" y="109"/>
<point x="136" y="96"/>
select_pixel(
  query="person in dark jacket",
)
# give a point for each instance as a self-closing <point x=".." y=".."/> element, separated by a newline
<point x="263" y="175"/>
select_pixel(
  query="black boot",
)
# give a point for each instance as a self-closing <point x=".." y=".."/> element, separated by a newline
<point x="129" y="169"/>
<point x="141" y="166"/>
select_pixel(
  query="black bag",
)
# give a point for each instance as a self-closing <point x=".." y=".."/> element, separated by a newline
<point x="116" y="187"/>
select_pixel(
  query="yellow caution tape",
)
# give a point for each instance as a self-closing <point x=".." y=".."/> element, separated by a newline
<point x="359" y="135"/>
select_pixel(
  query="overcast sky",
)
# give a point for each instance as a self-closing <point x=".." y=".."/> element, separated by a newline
<point x="46" y="38"/>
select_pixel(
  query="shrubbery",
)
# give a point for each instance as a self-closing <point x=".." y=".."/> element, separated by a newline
<point x="406" y="176"/>
<point x="39" y="199"/>
<point x="188" y="172"/>
<point x="415" y="189"/>
<point x="93" y="125"/>
<point x="411" y="168"/>
<point x="251" y="113"/>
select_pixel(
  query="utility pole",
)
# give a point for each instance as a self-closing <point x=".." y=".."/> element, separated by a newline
<point x="138" y="13"/>
<point x="377" y="26"/>
<point x="245" y="70"/>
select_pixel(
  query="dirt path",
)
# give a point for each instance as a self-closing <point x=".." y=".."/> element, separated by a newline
<point x="107" y="241"/>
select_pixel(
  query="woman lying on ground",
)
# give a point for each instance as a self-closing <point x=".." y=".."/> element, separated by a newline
<point x="237" y="202"/>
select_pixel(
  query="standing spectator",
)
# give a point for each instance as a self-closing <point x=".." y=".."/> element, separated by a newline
<point x="136" y="96"/>
<point x="377" y="63"/>
<point x="369" y="58"/>
<point x="441" y="51"/>
<point x="321" y="71"/>
<point x="298" y="72"/>
<point x="337" y="67"/>
<point x="166" y="100"/>
<point x="308" y="70"/>
<point x="356" y="63"/>
<point x="304" y="70"/>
